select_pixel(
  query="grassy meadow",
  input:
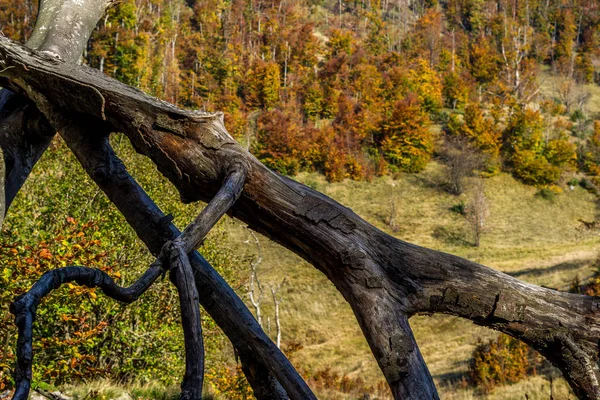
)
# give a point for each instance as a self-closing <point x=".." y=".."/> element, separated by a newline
<point x="535" y="239"/>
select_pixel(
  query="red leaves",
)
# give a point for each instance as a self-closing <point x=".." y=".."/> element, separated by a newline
<point x="45" y="254"/>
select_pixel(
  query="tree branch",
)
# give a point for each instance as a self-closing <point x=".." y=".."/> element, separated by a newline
<point x="195" y="233"/>
<point x="265" y="365"/>
<point x="24" y="308"/>
<point x="183" y="278"/>
<point x="384" y="279"/>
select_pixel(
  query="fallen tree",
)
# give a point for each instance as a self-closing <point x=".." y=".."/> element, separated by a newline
<point x="385" y="280"/>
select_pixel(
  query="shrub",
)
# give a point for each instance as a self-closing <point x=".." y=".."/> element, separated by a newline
<point x="534" y="169"/>
<point x="546" y="194"/>
<point x="408" y="142"/>
<point x="461" y="160"/>
<point x="501" y="361"/>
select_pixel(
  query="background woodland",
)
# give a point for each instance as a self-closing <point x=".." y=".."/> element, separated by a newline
<point x="354" y="90"/>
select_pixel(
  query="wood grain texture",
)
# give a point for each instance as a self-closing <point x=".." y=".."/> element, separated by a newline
<point x="384" y="279"/>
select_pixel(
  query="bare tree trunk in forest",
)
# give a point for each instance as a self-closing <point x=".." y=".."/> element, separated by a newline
<point x="385" y="280"/>
<point x="276" y="301"/>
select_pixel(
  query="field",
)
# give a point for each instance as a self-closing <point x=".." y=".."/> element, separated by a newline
<point x="535" y="239"/>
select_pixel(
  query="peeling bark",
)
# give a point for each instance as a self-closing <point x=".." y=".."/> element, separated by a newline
<point x="384" y="279"/>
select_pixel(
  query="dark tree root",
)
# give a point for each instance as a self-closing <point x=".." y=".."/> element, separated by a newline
<point x="24" y="308"/>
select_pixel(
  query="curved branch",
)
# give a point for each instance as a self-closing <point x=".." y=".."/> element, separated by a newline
<point x="183" y="278"/>
<point x="270" y="373"/>
<point x="194" y="234"/>
<point x="24" y="308"/>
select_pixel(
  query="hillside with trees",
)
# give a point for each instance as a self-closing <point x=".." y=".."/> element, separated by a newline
<point x="381" y="94"/>
<point x="350" y="89"/>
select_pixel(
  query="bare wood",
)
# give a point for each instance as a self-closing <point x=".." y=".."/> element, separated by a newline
<point x="62" y="30"/>
<point x="384" y="279"/>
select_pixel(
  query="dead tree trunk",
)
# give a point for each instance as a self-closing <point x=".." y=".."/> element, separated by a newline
<point x="384" y="279"/>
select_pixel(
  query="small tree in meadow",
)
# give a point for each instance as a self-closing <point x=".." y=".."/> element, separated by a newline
<point x="478" y="212"/>
<point x="461" y="159"/>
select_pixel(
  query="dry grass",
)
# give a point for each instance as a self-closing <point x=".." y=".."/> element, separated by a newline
<point x="538" y="240"/>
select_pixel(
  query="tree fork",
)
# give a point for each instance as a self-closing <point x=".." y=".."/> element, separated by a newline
<point x="384" y="279"/>
<point x="269" y="372"/>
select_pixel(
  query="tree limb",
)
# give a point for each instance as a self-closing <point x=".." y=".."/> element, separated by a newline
<point x="195" y="233"/>
<point x="183" y="278"/>
<point x="266" y="368"/>
<point x="384" y="279"/>
<point x="24" y="308"/>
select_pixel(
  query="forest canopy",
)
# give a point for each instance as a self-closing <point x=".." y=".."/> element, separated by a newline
<point x="351" y="89"/>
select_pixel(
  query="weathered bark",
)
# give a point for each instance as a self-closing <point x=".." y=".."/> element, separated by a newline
<point x="384" y="279"/>
<point x="266" y="368"/>
<point x="183" y="278"/>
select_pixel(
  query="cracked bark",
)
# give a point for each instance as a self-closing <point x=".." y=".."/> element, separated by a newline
<point x="384" y="279"/>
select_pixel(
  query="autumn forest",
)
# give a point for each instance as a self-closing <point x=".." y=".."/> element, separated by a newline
<point x="351" y="89"/>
